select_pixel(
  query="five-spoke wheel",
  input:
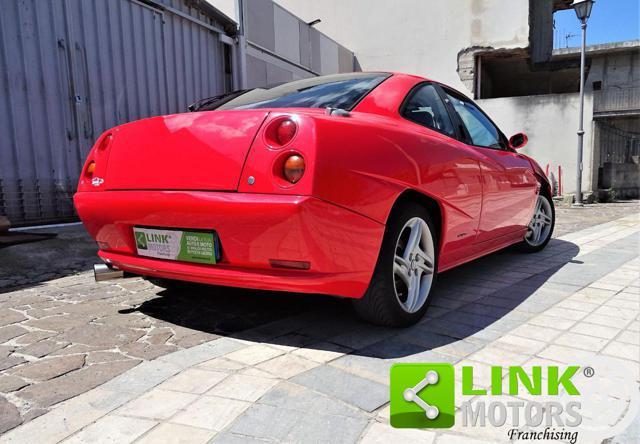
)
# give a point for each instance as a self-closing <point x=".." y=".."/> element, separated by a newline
<point x="541" y="226"/>
<point x="399" y="291"/>
<point x="413" y="266"/>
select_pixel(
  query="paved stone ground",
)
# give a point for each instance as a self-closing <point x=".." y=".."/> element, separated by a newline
<point x="71" y="251"/>
<point x="573" y="219"/>
<point x="61" y="337"/>
<point x="239" y="366"/>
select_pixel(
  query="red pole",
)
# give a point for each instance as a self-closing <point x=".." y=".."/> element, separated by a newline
<point x="560" y="180"/>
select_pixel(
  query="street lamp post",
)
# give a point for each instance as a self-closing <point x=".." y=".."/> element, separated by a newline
<point x="242" y="46"/>
<point x="583" y="11"/>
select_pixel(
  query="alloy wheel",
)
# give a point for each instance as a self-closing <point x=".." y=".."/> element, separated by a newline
<point x="541" y="223"/>
<point x="413" y="266"/>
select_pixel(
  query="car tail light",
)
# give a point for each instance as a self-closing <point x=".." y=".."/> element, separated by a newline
<point x="102" y="147"/>
<point x="290" y="167"/>
<point x="285" y="131"/>
<point x="94" y="169"/>
<point x="91" y="168"/>
<point x="106" y="141"/>
<point x="280" y="132"/>
<point x="293" y="168"/>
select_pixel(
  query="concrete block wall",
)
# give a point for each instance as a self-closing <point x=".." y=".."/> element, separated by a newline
<point x="551" y="122"/>
<point x="281" y="47"/>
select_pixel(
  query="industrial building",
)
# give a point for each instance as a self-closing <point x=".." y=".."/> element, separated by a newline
<point x="70" y="69"/>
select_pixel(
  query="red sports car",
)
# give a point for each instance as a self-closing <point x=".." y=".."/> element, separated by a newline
<point x="361" y="185"/>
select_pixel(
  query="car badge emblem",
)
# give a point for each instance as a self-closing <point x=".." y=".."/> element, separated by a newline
<point x="97" y="181"/>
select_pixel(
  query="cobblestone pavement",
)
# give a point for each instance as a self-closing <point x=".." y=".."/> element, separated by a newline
<point x="122" y="360"/>
<point x="64" y="336"/>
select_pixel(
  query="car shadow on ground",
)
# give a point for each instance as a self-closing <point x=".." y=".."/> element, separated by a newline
<point x="63" y="252"/>
<point x="481" y="296"/>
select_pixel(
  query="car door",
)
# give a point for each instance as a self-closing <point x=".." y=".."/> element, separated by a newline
<point x="509" y="184"/>
<point x="450" y="171"/>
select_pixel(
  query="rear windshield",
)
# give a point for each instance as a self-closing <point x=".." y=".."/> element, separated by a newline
<point x="336" y="91"/>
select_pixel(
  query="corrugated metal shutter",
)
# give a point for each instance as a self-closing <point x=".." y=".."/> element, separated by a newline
<point x="69" y="69"/>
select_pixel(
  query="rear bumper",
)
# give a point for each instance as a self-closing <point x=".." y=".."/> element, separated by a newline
<point x="341" y="246"/>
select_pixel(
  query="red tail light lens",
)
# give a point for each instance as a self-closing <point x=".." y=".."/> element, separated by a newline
<point x="280" y="132"/>
<point x="106" y="140"/>
<point x="91" y="168"/>
<point x="98" y="153"/>
<point x="293" y="168"/>
<point x="285" y="131"/>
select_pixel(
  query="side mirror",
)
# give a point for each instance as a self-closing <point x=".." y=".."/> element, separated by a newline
<point x="518" y="141"/>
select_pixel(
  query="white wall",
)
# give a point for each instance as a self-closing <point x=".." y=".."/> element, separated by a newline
<point x="227" y="7"/>
<point x="418" y="36"/>
<point x="551" y="122"/>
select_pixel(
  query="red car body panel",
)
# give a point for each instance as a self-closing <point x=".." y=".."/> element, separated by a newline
<point x="194" y="151"/>
<point x="218" y="170"/>
<point x="340" y="245"/>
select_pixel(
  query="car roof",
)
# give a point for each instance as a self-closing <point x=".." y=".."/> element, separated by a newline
<point x="375" y="72"/>
<point x="425" y="79"/>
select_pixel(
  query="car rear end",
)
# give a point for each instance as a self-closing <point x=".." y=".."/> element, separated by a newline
<point x="224" y="197"/>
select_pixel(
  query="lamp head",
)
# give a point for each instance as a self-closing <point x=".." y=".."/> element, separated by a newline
<point x="583" y="9"/>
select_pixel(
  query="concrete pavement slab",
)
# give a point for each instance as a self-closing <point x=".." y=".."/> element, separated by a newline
<point x="352" y="389"/>
<point x="167" y="433"/>
<point x="211" y="413"/>
<point x="112" y="429"/>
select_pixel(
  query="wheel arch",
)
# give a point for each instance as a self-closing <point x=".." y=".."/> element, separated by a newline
<point x="429" y="203"/>
<point x="545" y="185"/>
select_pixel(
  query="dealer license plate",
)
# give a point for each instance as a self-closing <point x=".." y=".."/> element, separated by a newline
<point x="177" y="245"/>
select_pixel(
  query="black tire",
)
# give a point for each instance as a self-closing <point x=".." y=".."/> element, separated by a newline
<point x="380" y="305"/>
<point x="525" y="246"/>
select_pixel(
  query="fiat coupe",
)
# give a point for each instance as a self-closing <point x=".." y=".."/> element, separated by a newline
<point x="362" y="185"/>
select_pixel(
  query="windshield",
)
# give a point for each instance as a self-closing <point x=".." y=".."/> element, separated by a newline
<point x="336" y="91"/>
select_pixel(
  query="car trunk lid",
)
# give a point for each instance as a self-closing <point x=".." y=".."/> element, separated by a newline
<point x="194" y="151"/>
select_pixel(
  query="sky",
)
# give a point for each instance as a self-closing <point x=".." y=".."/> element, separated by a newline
<point x="611" y="21"/>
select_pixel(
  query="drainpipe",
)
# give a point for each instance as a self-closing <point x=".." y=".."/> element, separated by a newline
<point x="242" y="45"/>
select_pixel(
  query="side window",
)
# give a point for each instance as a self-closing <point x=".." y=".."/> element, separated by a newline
<point x="481" y="131"/>
<point x="425" y="107"/>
